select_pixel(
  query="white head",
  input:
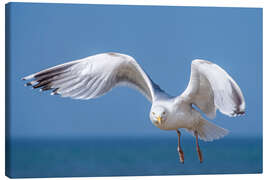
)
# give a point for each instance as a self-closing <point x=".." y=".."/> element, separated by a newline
<point x="158" y="115"/>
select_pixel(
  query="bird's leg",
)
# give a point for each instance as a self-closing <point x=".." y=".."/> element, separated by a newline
<point x="179" y="149"/>
<point x="198" y="147"/>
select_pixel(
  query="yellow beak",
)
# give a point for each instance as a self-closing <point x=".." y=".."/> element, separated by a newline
<point x="159" y="119"/>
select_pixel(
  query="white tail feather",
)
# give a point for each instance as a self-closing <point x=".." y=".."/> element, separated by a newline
<point x="208" y="131"/>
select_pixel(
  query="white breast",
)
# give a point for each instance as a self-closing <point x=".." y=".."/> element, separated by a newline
<point x="180" y="116"/>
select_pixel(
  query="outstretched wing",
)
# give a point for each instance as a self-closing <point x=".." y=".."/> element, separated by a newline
<point x="94" y="76"/>
<point x="211" y="88"/>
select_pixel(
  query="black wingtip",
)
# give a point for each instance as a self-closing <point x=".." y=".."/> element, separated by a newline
<point x="241" y="112"/>
<point x="55" y="92"/>
<point x="28" y="84"/>
<point x="238" y="113"/>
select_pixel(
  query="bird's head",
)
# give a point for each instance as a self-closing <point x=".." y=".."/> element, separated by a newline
<point x="158" y="115"/>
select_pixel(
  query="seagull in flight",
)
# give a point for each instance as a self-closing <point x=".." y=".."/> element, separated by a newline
<point x="210" y="88"/>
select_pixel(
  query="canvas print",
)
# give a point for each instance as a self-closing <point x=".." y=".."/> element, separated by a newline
<point x="115" y="90"/>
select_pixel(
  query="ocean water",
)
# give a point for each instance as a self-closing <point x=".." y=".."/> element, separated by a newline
<point x="129" y="157"/>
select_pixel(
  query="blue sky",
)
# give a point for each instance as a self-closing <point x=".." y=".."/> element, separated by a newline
<point x="164" y="41"/>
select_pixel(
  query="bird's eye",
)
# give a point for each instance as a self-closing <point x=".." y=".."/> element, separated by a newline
<point x="153" y="113"/>
<point x="164" y="113"/>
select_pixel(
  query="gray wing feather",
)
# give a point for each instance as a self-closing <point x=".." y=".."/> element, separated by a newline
<point x="94" y="76"/>
<point x="211" y="88"/>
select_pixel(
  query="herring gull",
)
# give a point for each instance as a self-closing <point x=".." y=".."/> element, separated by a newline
<point x="210" y="88"/>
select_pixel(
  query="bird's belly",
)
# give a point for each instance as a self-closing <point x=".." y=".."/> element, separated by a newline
<point x="180" y="121"/>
